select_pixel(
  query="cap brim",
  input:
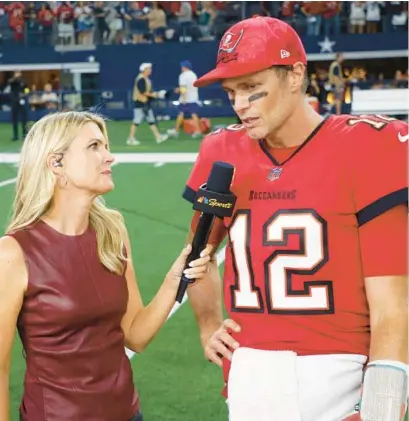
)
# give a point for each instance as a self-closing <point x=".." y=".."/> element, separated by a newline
<point x="213" y="76"/>
<point x="224" y="72"/>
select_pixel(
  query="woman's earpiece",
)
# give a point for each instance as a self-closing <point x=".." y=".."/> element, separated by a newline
<point x="57" y="164"/>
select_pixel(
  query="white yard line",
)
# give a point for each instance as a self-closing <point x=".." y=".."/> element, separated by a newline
<point x="7" y="182"/>
<point x="220" y="259"/>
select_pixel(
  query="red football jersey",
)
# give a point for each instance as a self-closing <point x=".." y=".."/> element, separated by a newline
<point x="293" y="275"/>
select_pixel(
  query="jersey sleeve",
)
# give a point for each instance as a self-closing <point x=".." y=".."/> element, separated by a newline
<point x="379" y="157"/>
<point x="383" y="244"/>
<point x="201" y="169"/>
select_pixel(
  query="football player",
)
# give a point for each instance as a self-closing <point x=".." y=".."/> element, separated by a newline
<point x="315" y="279"/>
<point x="188" y="100"/>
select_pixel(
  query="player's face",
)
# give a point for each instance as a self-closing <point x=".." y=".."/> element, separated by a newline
<point x="87" y="162"/>
<point x="262" y="100"/>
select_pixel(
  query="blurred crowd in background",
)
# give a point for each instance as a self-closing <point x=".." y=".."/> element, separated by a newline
<point x="48" y="93"/>
<point x="82" y="23"/>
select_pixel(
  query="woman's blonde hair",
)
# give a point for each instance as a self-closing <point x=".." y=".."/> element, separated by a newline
<point x="35" y="183"/>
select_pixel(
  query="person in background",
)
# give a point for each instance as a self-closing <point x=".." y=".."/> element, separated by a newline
<point x="18" y="96"/>
<point x="157" y="22"/>
<point x="188" y="99"/>
<point x="49" y="98"/>
<point x="336" y="79"/>
<point x="142" y="97"/>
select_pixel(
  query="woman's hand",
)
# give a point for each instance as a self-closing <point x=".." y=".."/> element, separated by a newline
<point x="197" y="269"/>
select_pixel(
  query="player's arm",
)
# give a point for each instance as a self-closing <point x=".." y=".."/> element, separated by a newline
<point x="388" y="302"/>
<point x="384" y="253"/>
<point x="13" y="283"/>
<point x="206" y="301"/>
<point x="206" y="297"/>
<point x="381" y="204"/>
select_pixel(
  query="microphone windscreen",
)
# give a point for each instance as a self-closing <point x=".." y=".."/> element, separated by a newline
<point x="220" y="177"/>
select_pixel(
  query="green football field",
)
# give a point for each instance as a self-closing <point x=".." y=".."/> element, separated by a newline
<point x="174" y="380"/>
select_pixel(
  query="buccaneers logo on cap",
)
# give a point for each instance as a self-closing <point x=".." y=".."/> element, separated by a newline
<point x="227" y="46"/>
<point x="230" y="41"/>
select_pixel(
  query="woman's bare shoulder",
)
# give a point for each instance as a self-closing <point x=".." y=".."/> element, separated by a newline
<point x="12" y="263"/>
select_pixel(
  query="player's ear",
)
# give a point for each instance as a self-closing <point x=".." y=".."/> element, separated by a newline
<point x="297" y="76"/>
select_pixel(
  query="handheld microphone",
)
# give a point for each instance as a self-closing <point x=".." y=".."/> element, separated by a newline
<point x="213" y="199"/>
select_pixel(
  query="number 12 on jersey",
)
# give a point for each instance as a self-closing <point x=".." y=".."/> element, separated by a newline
<point x="316" y="297"/>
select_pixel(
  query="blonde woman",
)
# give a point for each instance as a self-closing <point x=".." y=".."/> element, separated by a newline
<point x="68" y="283"/>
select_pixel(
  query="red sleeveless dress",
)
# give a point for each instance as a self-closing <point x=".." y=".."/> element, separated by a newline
<point x="69" y="324"/>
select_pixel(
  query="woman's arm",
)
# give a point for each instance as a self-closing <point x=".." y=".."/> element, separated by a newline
<point x="13" y="283"/>
<point x="141" y="323"/>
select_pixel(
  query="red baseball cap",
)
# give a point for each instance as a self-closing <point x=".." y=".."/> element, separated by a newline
<point x="252" y="45"/>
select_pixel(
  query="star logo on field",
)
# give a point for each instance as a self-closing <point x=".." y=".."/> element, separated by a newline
<point x="326" y="45"/>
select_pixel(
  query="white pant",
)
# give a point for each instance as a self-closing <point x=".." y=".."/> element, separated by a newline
<point x="281" y="386"/>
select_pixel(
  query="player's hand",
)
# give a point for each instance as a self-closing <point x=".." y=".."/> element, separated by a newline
<point x="197" y="270"/>
<point x="221" y="344"/>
